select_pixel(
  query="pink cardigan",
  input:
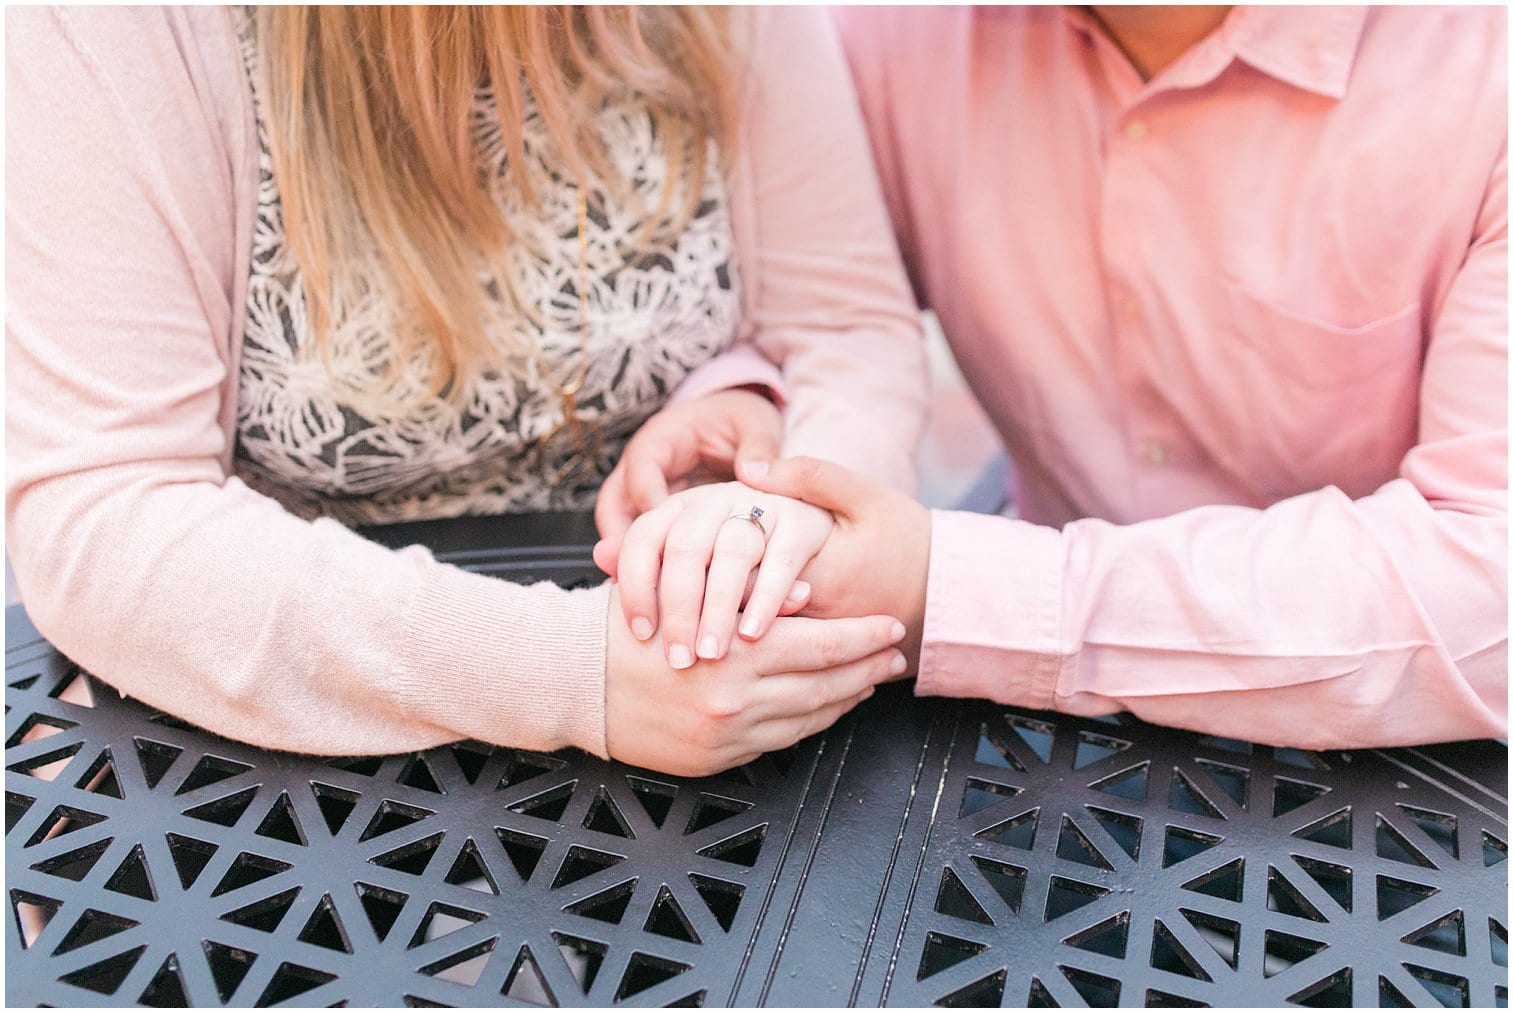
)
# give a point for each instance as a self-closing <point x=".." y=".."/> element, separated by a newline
<point x="130" y="186"/>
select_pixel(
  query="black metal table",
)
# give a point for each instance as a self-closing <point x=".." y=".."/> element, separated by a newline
<point x="920" y="852"/>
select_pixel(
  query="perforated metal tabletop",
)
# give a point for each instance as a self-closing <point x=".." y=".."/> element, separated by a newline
<point x="920" y="852"/>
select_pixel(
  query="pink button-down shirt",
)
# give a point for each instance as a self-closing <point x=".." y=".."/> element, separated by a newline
<point x="1244" y="330"/>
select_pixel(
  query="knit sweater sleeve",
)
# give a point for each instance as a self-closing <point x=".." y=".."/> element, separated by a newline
<point x="135" y="551"/>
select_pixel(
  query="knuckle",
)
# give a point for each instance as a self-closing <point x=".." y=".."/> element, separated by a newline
<point x="832" y="649"/>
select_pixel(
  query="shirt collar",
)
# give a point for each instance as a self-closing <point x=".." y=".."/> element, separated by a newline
<point x="1312" y="48"/>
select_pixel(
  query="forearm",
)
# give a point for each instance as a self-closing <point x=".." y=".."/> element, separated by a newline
<point x="1320" y="622"/>
<point x="212" y="603"/>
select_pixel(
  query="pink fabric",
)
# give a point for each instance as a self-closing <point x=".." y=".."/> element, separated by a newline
<point x="1244" y="328"/>
<point x="131" y="178"/>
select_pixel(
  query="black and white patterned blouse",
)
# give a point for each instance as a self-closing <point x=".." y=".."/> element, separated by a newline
<point x="654" y="314"/>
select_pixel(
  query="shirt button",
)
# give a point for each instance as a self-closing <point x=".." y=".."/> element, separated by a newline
<point x="1136" y="131"/>
<point x="1155" y="454"/>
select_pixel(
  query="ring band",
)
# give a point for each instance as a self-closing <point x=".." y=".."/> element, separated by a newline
<point x="754" y="515"/>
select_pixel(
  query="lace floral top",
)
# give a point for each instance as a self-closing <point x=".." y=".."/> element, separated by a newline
<point x="653" y="315"/>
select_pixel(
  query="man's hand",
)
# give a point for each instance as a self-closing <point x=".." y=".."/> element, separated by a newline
<point x="688" y="444"/>
<point x="877" y="558"/>
<point x="798" y="680"/>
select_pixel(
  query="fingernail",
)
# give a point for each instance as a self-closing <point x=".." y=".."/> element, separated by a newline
<point x="750" y="628"/>
<point x="641" y="628"/>
<point x="898" y="664"/>
<point x="756" y="469"/>
<point x="897" y="633"/>
<point x="679" y="657"/>
<point x="709" y="648"/>
<point x="800" y="590"/>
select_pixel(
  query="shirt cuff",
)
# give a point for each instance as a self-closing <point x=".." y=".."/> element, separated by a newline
<point x="740" y="366"/>
<point x="992" y="610"/>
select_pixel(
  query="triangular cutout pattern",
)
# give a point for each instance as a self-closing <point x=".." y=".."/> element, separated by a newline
<point x="264" y="915"/>
<point x="1093" y="748"/>
<point x="666" y="918"/>
<point x="107" y="975"/>
<point x="722" y="898"/>
<point x="228" y="967"/>
<point x="742" y="849"/>
<point x="524" y="850"/>
<point x="1095" y="989"/>
<point x="382" y="907"/>
<point x="606" y="905"/>
<point x="982" y="992"/>
<point x="993" y="753"/>
<point x="210" y="770"/>
<point x="1182" y="844"/>
<point x="465" y="967"/>
<point x="190" y="856"/>
<point x="1448" y="989"/>
<point x="1015" y="832"/>
<point x="954" y="899"/>
<point x="1494" y="850"/>
<point x="1285" y="898"/>
<point x="223" y="812"/>
<point x="1337" y="880"/>
<point x="417" y="773"/>
<point x="33" y="913"/>
<point x="335" y="804"/>
<point x="1074" y="846"/>
<point x="1392" y="844"/>
<point x="1006" y="880"/>
<point x="711" y="809"/>
<point x="1067" y="895"/>
<point x="1395" y="895"/>
<point x="604" y="816"/>
<point x="1227" y="882"/>
<point x="324" y="928"/>
<point x="1232" y="781"/>
<point x="1187" y="797"/>
<point x="583" y="958"/>
<point x="1130" y="783"/>
<point x="91" y="927"/>
<point x="470" y="870"/>
<point x="75" y="865"/>
<point x="1167" y="954"/>
<point x="391" y="816"/>
<point x="980" y="795"/>
<point x="645" y="971"/>
<point x="527" y="983"/>
<point x="441" y="920"/>
<point x="656" y="797"/>
<point x="411" y="858"/>
<point x="522" y="767"/>
<point x="281" y="824"/>
<point x="1040" y="996"/>
<point x="246" y="869"/>
<point x="548" y="805"/>
<point x="292" y="980"/>
<point x="1109" y="937"/>
<point x="100" y="778"/>
<point x="1288" y="794"/>
<point x="1334" y="830"/>
<point x="1221" y="933"/>
<point x="942" y="952"/>
<point x="155" y="758"/>
<point x="1126" y="830"/>
<point x="63" y="820"/>
<point x="1332" y="992"/>
<point x="1283" y="950"/>
<point x="1447" y="935"/>
<point x="1040" y="736"/>
<point x="581" y="862"/>
<point x="132" y="877"/>
<point x="166" y="989"/>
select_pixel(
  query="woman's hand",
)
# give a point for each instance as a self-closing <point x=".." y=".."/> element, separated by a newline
<point x="802" y="677"/>
<point x="688" y="564"/>
<point x="697" y="441"/>
<point x="878" y="557"/>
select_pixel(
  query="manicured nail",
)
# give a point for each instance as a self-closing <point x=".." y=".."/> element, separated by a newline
<point x="750" y="628"/>
<point x="679" y="657"/>
<point x="800" y="590"/>
<point x="709" y="648"/>
<point x="898" y="664"/>
<point x="641" y="628"/>
<point x="898" y="633"/>
<point x="756" y="469"/>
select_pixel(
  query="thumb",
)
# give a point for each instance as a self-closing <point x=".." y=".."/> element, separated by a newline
<point x="759" y="444"/>
<point x="607" y="554"/>
<point x="821" y="483"/>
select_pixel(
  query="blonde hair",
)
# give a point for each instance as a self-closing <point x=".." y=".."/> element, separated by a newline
<point x="367" y="111"/>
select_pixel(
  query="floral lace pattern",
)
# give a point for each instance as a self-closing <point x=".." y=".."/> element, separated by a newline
<point x="654" y="314"/>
